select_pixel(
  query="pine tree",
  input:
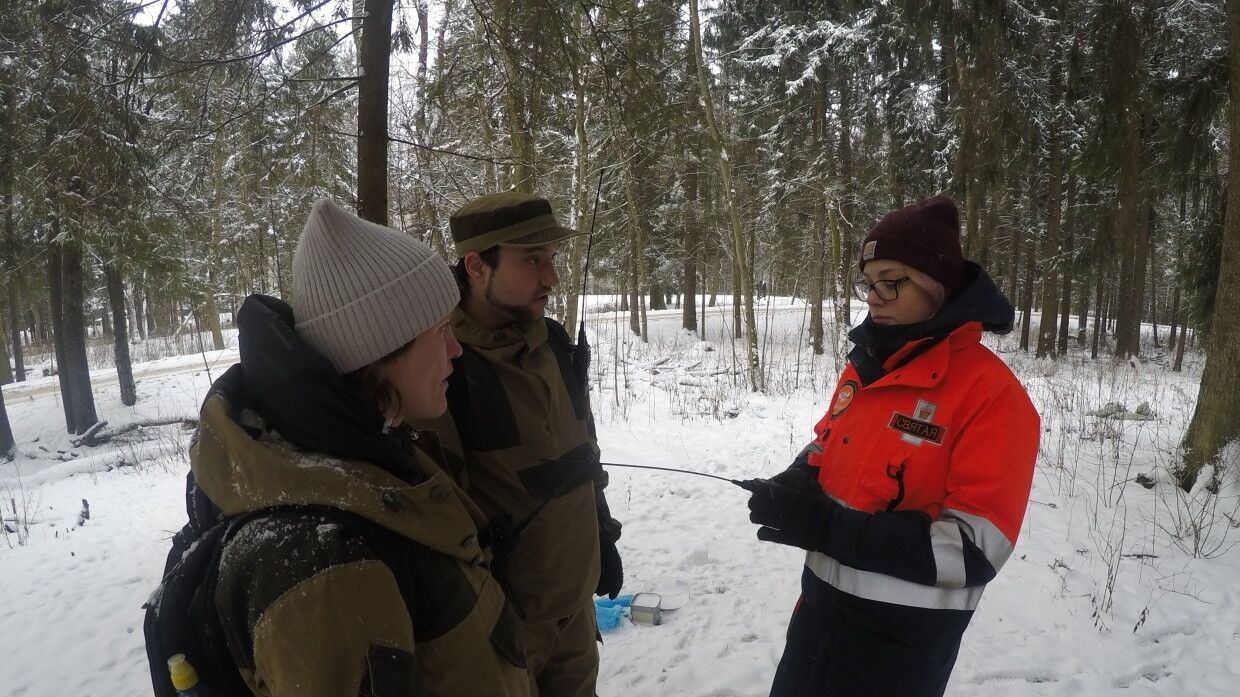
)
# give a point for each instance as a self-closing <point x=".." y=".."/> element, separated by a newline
<point x="1216" y="422"/>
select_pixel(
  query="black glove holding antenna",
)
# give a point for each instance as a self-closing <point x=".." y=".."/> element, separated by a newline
<point x="792" y="509"/>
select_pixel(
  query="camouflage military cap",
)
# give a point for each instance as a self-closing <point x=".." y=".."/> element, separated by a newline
<point x="509" y="217"/>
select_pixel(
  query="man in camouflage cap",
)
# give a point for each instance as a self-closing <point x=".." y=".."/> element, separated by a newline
<point x="520" y="436"/>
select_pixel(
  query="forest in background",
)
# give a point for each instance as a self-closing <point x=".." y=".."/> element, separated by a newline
<point x="158" y="159"/>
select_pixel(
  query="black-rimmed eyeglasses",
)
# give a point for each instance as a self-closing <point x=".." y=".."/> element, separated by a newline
<point x="887" y="290"/>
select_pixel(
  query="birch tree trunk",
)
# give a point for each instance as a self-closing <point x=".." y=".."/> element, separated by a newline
<point x="693" y="235"/>
<point x="15" y="330"/>
<point x="210" y="312"/>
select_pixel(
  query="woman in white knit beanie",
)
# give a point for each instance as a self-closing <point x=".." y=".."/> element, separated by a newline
<point x="358" y="565"/>
<point x="375" y="303"/>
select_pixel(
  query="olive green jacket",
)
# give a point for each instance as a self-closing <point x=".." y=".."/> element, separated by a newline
<point x="516" y="438"/>
<point x="308" y="607"/>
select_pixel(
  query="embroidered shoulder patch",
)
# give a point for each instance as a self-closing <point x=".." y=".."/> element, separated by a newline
<point x="920" y="428"/>
<point x="843" y="398"/>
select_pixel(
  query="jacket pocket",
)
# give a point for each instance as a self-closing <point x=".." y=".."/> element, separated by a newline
<point x="390" y="673"/>
<point x="883" y="485"/>
<point x="481" y="655"/>
<point x="506" y="636"/>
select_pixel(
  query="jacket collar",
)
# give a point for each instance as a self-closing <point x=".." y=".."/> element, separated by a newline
<point x="300" y="394"/>
<point x="979" y="301"/>
<point x="512" y="339"/>
<point x="242" y="465"/>
<point x="930" y="367"/>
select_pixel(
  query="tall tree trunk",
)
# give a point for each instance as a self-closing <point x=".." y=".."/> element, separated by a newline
<point x="120" y="334"/>
<point x="634" y="295"/>
<point x="658" y="300"/>
<point x="990" y="232"/>
<point x="1024" y="253"/>
<point x="848" y="201"/>
<point x="725" y="174"/>
<point x="523" y="173"/>
<point x="6" y="432"/>
<point x="578" y="246"/>
<point x="1099" y="320"/>
<point x="841" y="288"/>
<point x="1153" y="291"/>
<point x="1216" y="420"/>
<point x="1069" y="266"/>
<point x="76" y="367"/>
<point x="8" y="241"/>
<point x="485" y="107"/>
<point x="6" y="371"/>
<point x="693" y="235"/>
<point x="1175" y="317"/>
<point x="818" y="275"/>
<point x="15" y="330"/>
<point x="1131" y="228"/>
<point x="55" y="294"/>
<point x="1050" y="263"/>
<point x="636" y="255"/>
<point x="1179" y="349"/>
<point x="427" y="212"/>
<point x="211" y="312"/>
<point x="372" y="112"/>
<point x="738" y="331"/>
<point x="817" y="253"/>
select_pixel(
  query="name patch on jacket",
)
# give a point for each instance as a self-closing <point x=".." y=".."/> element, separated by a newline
<point x="920" y="428"/>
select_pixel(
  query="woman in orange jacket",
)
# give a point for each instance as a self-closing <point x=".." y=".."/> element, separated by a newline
<point x="910" y="497"/>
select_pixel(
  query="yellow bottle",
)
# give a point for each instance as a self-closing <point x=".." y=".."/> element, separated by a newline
<point x="184" y="677"/>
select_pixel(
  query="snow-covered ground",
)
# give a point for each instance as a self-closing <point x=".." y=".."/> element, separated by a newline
<point x="1114" y="589"/>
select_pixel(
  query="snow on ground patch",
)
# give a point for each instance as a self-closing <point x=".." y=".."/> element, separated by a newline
<point x="1112" y="589"/>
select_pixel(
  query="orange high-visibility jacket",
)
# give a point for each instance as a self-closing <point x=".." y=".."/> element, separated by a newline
<point x="950" y="435"/>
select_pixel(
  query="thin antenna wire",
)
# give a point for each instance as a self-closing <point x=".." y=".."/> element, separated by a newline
<point x="585" y="275"/>
<point x="673" y="469"/>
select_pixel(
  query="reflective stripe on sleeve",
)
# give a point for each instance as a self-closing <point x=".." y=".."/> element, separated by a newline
<point x="889" y="589"/>
<point x="951" y="532"/>
<point x="948" y="554"/>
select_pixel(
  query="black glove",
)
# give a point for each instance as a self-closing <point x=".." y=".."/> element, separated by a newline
<point x="611" y="571"/>
<point x="500" y="536"/>
<point x="792" y="510"/>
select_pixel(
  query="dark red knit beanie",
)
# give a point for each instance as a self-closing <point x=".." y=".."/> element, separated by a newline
<point x="925" y="235"/>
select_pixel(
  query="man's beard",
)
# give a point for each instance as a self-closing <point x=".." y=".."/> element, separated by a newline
<point x="517" y="314"/>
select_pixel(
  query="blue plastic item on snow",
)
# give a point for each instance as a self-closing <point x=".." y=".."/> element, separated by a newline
<point x="607" y="612"/>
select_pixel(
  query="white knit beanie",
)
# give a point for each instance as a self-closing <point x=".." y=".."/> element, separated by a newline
<point x="361" y="290"/>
